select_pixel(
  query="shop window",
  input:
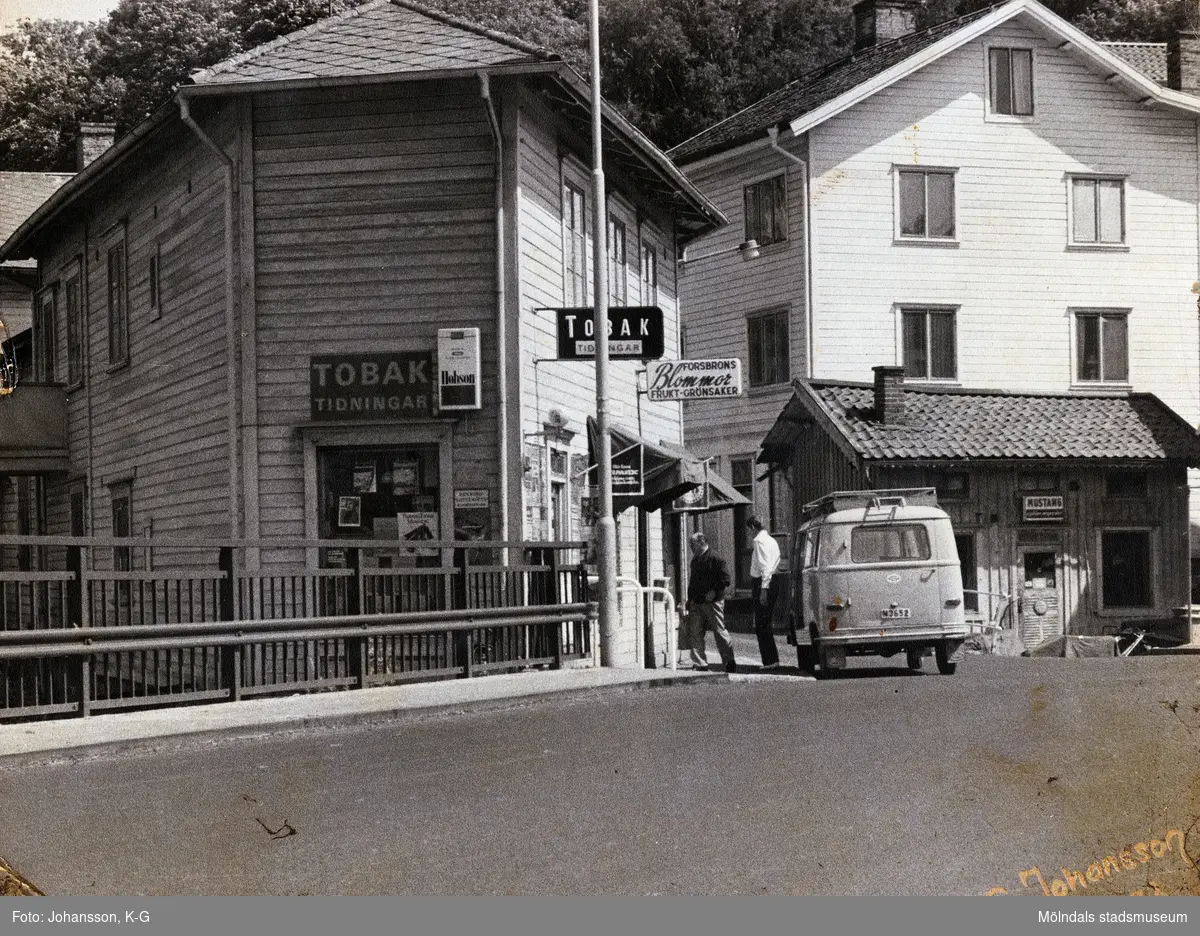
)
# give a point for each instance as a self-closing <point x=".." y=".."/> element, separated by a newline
<point x="575" y="275"/>
<point x="769" y="348"/>
<point x="741" y="475"/>
<point x="930" y="345"/>
<point x="765" y="205"/>
<point x="1010" y="80"/>
<point x="387" y="494"/>
<point x="44" y="334"/>
<point x="1126" y="569"/>
<point x="965" y="542"/>
<point x="618" y="272"/>
<point x="1122" y="483"/>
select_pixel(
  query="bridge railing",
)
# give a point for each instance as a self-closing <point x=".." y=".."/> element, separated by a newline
<point x="275" y="628"/>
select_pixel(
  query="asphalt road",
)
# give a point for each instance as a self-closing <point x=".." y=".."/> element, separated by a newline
<point x="876" y="782"/>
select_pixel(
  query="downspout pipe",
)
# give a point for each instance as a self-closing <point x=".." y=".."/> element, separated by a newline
<point x="773" y="133"/>
<point x="231" y="381"/>
<point x="485" y="92"/>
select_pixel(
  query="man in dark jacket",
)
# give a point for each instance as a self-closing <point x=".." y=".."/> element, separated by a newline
<point x="708" y="579"/>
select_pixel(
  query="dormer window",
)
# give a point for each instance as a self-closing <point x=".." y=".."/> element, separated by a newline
<point x="1010" y="81"/>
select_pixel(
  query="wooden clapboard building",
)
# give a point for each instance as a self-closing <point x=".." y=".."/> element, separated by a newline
<point x="250" y="287"/>
<point x="994" y="202"/>
<point x="1073" y="508"/>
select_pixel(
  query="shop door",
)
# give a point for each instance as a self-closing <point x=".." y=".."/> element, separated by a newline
<point x="1040" y="604"/>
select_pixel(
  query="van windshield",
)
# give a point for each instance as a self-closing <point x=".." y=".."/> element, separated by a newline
<point x="889" y="543"/>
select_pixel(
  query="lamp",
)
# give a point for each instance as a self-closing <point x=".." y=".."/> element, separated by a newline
<point x="748" y="249"/>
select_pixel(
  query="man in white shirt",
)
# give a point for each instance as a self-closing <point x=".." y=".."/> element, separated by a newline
<point x="764" y="590"/>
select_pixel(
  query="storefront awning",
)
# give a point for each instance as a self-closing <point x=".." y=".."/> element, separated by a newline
<point x="667" y="473"/>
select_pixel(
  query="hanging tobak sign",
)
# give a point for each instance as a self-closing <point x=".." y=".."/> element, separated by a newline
<point x="635" y="333"/>
<point x="396" y="386"/>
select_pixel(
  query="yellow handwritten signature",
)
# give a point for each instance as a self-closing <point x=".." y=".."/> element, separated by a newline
<point x="1129" y="858"/>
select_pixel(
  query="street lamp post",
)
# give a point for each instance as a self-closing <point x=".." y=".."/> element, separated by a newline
<point x="606" y="527"/>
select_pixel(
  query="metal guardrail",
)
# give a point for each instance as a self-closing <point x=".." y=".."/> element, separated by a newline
<point x="83" y="670"/>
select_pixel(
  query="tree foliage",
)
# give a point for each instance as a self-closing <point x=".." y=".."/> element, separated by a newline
<point x="673" y="67"/>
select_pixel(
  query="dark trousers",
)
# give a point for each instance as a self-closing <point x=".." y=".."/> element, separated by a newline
<point x="762" y="618"/>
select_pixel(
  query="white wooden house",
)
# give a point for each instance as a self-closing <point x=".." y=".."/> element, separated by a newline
<point x="237" y="278"/>
<point x="997" y="203"/>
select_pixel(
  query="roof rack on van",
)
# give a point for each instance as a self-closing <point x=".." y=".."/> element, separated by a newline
<point x="872" y="500"/>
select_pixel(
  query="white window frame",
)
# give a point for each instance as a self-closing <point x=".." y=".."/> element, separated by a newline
<point x="758" y="314"/>
<point x="618" y="267"/>
<point x="1155" y="573"/>
<point x="1077" y="382"/>
<point x="787" y="223"/>
<point x="997" y="116"/>
<point x="74" y="326"/>
<point x="117" y="357"/>
<point x="925" y="239"/>
<point x="154" y="276"/>
<point x="936" y="308"/>
<point x="45" y="334"/>
<point x="572" y="277"/>
<point x="1120" y="246"/>
<point x="648" y="285"/>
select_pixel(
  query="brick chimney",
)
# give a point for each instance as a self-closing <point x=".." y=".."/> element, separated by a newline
<point x="889" y="394"/>
<point x="880" y="21"/>
<point x="94" y="139"/>
<point x="1183" y="50"/>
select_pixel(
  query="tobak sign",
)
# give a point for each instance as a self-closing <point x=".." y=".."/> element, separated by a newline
<point x="635" y="333"/>
<point x="362" y="387"/>
<point x="694" y="380"/>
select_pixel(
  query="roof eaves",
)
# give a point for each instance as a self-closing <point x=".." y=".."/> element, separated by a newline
<point x="656" y="157"/>
<point x="816" y="406"/>
<point x="83" y="180"/>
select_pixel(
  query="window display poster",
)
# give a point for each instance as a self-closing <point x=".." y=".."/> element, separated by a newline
<point x="364" y="479"/>
<point x="406" y="477"/>
<point x="474" y="523"/>
<point x="416" y="528"/>
<point x="349" y="511"/>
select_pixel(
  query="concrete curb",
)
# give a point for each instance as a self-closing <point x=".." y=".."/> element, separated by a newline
<point x="155" y="729"/>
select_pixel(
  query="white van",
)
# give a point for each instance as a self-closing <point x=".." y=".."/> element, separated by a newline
<point x="875" y="572"/>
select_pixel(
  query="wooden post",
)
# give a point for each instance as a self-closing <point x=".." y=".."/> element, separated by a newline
<point x="74" y="618"/>
<point x="463" y="644"/>
<point x="554" y="631"/>
<point x="231" y="657"/>
<point x="356" y="647"/>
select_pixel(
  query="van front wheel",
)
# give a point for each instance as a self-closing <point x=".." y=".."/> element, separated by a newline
<point x="942" y="654"/>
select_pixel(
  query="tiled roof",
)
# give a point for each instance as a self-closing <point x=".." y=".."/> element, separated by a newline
<point x="980" y="424"/>
<point x="1150" y="58"/>
<point x="21" y="194"/>
<point x="814" y="89"/>
<point x="385" y="37"/>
